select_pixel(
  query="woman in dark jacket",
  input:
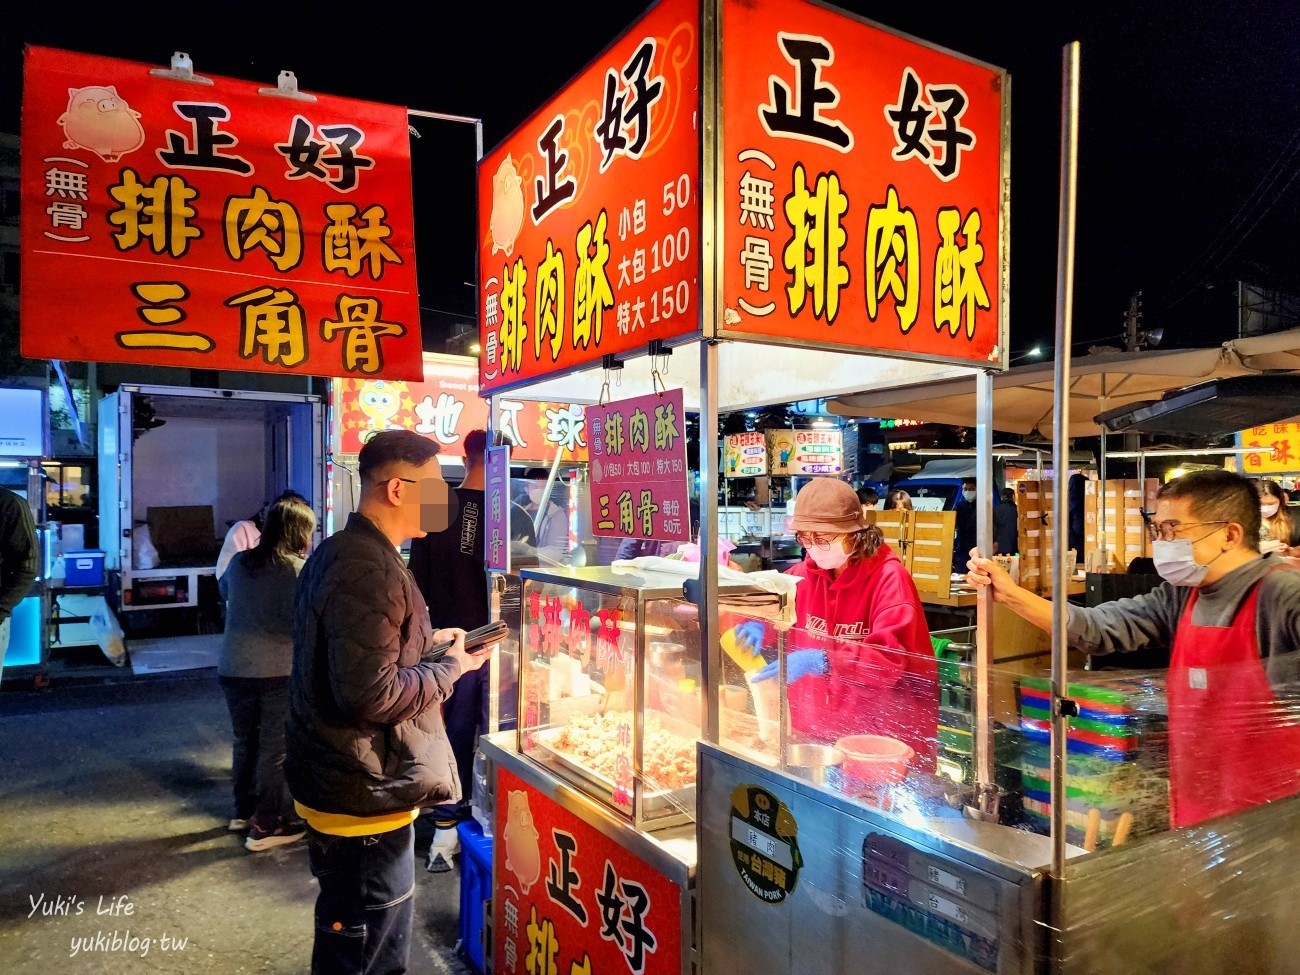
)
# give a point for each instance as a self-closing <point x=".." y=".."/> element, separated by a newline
<point x="256" y="656"/>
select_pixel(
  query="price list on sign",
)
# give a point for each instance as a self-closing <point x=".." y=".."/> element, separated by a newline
<point x="638" y="468"/>
<point x="805" y="453"/>
<point x="588" y="211"/>
<point x="745" y="455"/>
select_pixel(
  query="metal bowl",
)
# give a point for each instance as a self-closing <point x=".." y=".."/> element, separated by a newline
<point x="661" y="655"/>
<point x="813" y="762"/>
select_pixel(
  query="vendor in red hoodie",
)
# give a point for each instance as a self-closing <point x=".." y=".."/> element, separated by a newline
<point x="859" y="660"/>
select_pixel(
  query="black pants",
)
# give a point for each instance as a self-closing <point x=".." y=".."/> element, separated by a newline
<point x="365" y="906"/>
<point x="258" y="708"/>
<point x="465" y="716"/>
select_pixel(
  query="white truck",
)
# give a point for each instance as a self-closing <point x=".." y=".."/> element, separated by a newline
<point x="183" y="465"/>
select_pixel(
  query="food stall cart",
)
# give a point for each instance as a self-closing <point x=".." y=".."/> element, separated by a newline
<point x="658" y="266"/>
<point x="807" y="855"/>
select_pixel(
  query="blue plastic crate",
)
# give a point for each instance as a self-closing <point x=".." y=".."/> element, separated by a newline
<point x="475" y="890"/>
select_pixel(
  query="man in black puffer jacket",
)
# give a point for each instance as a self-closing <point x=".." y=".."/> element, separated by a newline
<point x="365" y="744"/>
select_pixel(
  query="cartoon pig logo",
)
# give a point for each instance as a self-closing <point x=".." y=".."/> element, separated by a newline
<point x="100" y="120"/>
<point x="507" y="207"/>
<point x="523" y="856"/>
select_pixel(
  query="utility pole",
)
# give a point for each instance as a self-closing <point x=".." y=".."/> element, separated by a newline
<point x="1132" y="331"/>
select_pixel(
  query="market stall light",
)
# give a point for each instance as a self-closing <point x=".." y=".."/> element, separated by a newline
<point x="475" y="348"/>
<point x="1190" y="452"/>
<point x="962" y="452"/>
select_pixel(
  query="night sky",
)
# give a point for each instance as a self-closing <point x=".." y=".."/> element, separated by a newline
<point x="1189" y="141"/>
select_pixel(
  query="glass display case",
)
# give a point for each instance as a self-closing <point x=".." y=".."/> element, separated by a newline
<point x="611" y="684"/>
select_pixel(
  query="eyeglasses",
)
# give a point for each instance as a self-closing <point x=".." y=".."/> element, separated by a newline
<point x="815" y="540"/>
<point x="1168" y="531"/>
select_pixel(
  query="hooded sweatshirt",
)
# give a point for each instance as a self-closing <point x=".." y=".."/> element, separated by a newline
<point x="883" y="677"/>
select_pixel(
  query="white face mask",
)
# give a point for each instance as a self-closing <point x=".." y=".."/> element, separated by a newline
<point x="1268" y="510"/>
<point x="830" y="558"/>
<point x="535" y="492"/>
<point x="1176" y="563"/>
<point x="968" y="496"/>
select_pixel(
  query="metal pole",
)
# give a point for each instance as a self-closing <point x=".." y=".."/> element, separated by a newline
<point x="709" y="471"/>
<point x="1061" y="442"/>
<point x="987" y="793"/>
<point x="1103" y="551"/>
<point x="444" y="117"/>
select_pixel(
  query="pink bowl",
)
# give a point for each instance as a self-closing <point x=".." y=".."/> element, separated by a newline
<point x="875" y="759"/>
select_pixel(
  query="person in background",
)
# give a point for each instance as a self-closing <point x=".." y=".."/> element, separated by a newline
<point x="1232" y="617"/>
<point x="18" y="559"/>
<point x="450" y="567"/>
<point x="553" y="528"/>
<point x="1006" y="524"/>
<point x="366" y="748"/>
<point x="1277" y="527"/>
<point x="863" y="662"/>
<point x="243" y="535"/>
<point x="964" y="540"/>
<point x="253" y="669"/>
<point x="1075" y="507"/>
<point x="898" y="500"/>
<point x="868" y="497"/>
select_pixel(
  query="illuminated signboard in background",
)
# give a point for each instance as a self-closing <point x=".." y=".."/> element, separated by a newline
<point x="446" y="406"/>
<point x="1284" y="438"/>
<point x="22" y="422"/>
<point x="803" y="453"/>
<point x="863" y="192"/>
<point x="745" y="455"/>
<point x="589" y="211"/>
<point x="638" y="468"/>
<point x="213" y="227"/>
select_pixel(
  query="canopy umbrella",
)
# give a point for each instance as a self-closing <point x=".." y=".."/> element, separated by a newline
<point x="1023" y="396"/>
<point x="1277" y="350"/>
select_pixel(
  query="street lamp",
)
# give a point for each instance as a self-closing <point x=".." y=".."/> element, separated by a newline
<point x="1033" y="353"/>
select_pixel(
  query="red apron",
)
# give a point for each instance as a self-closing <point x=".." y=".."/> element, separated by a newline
<point x="1232" y="744"/>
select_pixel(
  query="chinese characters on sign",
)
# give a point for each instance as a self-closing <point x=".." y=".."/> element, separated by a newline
<point x="446" y="406"/>
<point x="802" y="453"/>
<point x="745" y="455"/>
<point x="497" y="499"/>
<point x="570" y="901"/>
<point x="213" y="228"/>
<point x="638" y="468"/>
<point x="863" y="193"/>
<point x="1284" y="438"/>
<point x="588" y="212"/>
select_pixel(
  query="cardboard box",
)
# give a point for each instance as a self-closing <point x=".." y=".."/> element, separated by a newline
<point x="183" y="534"/>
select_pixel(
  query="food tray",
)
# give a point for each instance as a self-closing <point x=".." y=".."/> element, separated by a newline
<point x="654" y="803"/>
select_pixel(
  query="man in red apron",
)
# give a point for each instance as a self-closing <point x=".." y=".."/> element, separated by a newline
<point x="1232" y="617"/>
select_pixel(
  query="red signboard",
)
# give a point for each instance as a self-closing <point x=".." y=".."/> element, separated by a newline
<point x="570" y="901"/>
<point x="213" y="227"/>
<point x="446" y="406"/>
<point x="864" y="183"/>
<point x="638" y="468"/>
<point x="589" y="212"/>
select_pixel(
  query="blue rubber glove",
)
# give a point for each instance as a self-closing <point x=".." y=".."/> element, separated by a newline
<point x="750" y="636"/>
<point x="798" y="665"/>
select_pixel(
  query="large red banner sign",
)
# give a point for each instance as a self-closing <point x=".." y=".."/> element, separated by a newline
<point x="863" y="186"/>
<point x="589" y="212"/>
<point x="570" y="901"/>
<point x="169" y="222"/>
